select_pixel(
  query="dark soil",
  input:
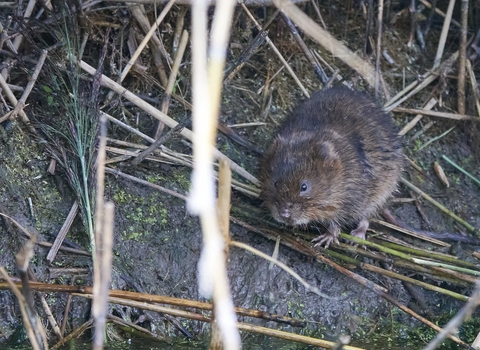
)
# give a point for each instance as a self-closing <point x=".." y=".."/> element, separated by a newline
<point x="158" y="243"/>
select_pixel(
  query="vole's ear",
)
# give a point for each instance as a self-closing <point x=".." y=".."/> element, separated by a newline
<point x="328" y="151"/>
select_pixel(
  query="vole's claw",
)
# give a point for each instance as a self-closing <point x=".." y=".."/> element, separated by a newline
<point x="326" y="238"/>
<point x="360" y="231"/>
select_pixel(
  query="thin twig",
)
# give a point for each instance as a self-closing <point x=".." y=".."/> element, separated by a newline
<point x="453" y="325"/>
<point x="418" y="84"/>
<point x="145" y="40"/>
<point x="443" y="35"/>
<point x="436" y="114"/>
<point x="440" y="206"/>
<point x="436" y="138"/>
<point x="161" y="140"/>
<point x="284" y="267"/>
<point x="439" y="12"/>
<point x="46" y="244"/>
<point x="325" y="39"/>
<point x="155" y="44"/>
<point x="63" y="232"/>
<point x="316" y="67"/>
<point x="277" y="52"/>
<point x="451" y="162"/>
<point x="46" y="308"/>
<point x="143" y="182"/>
<point x="462" y="58"/>
<point x="75" y="334"/>
<point x="379" y="48"/>
<point x="172" y="79"/>
<point x="13" y="100"/>
<point x="33" y="79"/>
<point x="473" y="82"/>
<point x="411" y="124"/>
<point x="36" y="345"/>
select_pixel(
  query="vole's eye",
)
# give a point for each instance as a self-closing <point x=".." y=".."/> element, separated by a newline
<point x="303" y="187"/>
<point x="275" y="184"/>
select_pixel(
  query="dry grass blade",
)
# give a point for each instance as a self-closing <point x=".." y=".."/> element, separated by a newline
<point x="411" y="124"/>
<point x="145" y="40"/>
<point x="443" y="36"/>
<point x="419" y="85"/>
<point x="142" y="155"/>
<point x="46" y="309"/>
<point x="223" y="212"/>
<point x="63" y="232"/>
<point x="172" y="79"/>
<point x="412" y="233"/>
<point x="11" y="97"/>
<point x="462" y="58"/>
<point x="316" y="67"/>
<point x="284" y="267"/>
<point x="440" y="206"/>
<point x="439" y="12"/>
<point x="378" y="74"/>
<point x="21" y="103"/>
<point x="46" y="244"/>
<point x="453" y="116"/>
<point x="451" y="162"/>
<point x="473" y="83"/>
<point x="75" y="334"/>
<point x="143" y="182"/>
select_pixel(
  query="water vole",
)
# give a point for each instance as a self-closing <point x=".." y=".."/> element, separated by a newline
<point x="336" y="159"/>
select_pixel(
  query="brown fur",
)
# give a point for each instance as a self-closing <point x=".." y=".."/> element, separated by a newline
<point x="344" y="151"/>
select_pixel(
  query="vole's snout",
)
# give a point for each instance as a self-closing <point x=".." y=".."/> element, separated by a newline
<point x="285" y="211"/>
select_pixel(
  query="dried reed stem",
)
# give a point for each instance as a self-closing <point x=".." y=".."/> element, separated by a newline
<point x="102" y="255"/>
<point x="379" y="47"/>
<point x="443" y="36"/>
<point x="411" y="124"/>
<point x="440" y="206"/>
<point x="63" y="232"/>
<point x="436" y="114"/>
<point x="325" y="39"/>
<point x="145" y="40"/>
<point x="207" y="86"/>
<point x="462" y="58"/>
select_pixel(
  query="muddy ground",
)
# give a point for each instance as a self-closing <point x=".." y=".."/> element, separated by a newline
<point x="157" y="242"/>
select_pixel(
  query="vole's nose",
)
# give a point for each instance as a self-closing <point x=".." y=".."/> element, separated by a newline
<point x="286" y="212"/>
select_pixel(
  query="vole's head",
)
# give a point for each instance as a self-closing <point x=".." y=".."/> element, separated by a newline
<point x="301" y="179"/>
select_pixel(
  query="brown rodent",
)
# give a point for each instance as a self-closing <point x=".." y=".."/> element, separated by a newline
<point x="336" y="160"/>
